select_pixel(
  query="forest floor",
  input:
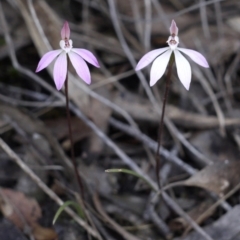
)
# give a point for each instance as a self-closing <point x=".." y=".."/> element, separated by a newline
<point x="115" y="122"/>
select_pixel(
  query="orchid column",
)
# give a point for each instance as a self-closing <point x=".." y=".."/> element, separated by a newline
<point x="160" y="58"/>
<point x="77" y="57"/>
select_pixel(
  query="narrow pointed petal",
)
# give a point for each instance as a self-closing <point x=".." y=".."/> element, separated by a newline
<point x="195" y="56"/>
<point x="60" y="70"/>
<point x="65" y="32"/>
<point x="183" y="69"/>
<point x="149" y="57"/>
<point x="173" y="28"/>
<point x="47" y="58"/>
<point x="80" y="67"/>
<point x="87" y="56"/>
<point x="159" y="67"/>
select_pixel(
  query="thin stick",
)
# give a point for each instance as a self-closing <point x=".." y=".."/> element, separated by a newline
<point x="157" y="156"/>
<point x="79" y="180"/>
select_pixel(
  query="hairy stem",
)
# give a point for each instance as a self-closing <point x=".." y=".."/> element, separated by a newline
<point x="79" y="180"/>
<point x="160" y="130"/>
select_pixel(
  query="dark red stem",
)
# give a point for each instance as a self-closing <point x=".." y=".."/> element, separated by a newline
<point x="160" y="130"/>
<point x="79" y="180"/>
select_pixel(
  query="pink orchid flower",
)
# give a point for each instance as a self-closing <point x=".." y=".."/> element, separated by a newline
<point x="162" y="56"/>
<point x="76" y="56"/>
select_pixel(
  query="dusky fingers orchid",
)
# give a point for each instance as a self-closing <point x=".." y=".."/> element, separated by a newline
<point x="76" y="56"/>
<point x="161" y="57"/>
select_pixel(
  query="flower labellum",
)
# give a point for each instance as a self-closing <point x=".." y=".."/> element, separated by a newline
<point x="76" y="56"/>
<point x="161" y="57"/>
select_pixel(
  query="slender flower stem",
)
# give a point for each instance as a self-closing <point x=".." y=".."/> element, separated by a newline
<point x="79" y="180"/>
<point x="160" y="129"/>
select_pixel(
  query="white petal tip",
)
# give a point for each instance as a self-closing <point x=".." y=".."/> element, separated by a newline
<point x="187" y="86"/>
<point x="58" y="87"/>
<point x="137" y="69"/>
<point x="153" y="81"/>
<point x="151" y="84"/>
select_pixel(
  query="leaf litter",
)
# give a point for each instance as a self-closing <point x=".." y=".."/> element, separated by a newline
<point x="194" y="116"/>
<point x="24" y="212"/>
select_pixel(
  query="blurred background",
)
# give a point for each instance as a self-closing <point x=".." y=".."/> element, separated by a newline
<point x="115" y="123"/>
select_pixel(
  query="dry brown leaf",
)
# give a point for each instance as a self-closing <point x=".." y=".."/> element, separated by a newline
<point x="219" y="178"/>
<point x="18" y="208"/>
<point x="41" y="233"/>
<point x="24" y="212"/>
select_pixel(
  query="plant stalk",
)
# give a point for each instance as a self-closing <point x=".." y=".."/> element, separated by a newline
<point x="160" y="129"/>
<point x="79" y="180"/>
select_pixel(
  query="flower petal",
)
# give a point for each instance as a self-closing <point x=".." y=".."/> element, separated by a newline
<point x="60" y="70"/>
<point x="47" y="58"/>
<point x="195" y="56"/>
<point x="183" y="69"/>
<point x="80" y="66"/>
<point x="173" y="28"/>
<point x="159" y="66"/>
<point x="65" y="32"/>
<point x="149" y="57"/>
<point x="87" y="56"/>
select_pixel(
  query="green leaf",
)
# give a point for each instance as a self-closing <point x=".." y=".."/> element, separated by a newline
<point x="123" y="170"/>
<point x="130" y="172"/>
<point x="66" y="204"/>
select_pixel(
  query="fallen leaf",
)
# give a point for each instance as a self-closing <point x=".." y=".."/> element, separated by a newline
<point x="218" y="178"/>
<point x="18" y="208"/>
<point x="41" y="233"/>
<point x="24" y="212"/>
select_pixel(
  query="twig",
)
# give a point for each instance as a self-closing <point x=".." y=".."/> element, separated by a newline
<point x="112" y="79"/>
<point x="108" y="219"/>
<point x="17" y="102"/>
<point x="152" y="145"/>
<point x="219" y="19"/>
<point x="148" y="25"/>
<point x="215" y="205"/>
<point x="206" y="86"/>
<point x="202" y="159"/>
<point x="137" y="16"/>
<point x="155" y="218"/>
<point x="114" y="17"/>
<point x="192" y="8"/>
<point x="179" y="210"/>
<point x="38" y="25"/>
<point x="204" y="19"/>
